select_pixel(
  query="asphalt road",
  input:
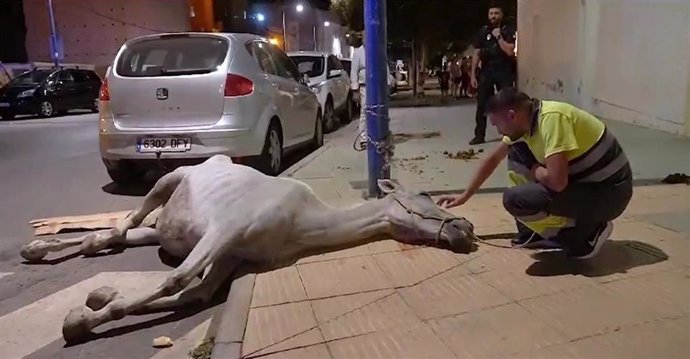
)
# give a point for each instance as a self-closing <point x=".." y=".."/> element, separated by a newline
<point x="52" y="167"/>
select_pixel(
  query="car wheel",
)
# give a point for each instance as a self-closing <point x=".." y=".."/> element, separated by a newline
<point x="317" y="140"/>
<point x="349" y="110"/>
<point x="329" y="119"/>
<point x="7" y="116"/>
<point x="94" y="109"/>
<point x="46" y="109"/>
<point x="271" y="159"/>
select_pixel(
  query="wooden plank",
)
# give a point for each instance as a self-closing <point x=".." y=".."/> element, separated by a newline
<point x="55" y="225"/>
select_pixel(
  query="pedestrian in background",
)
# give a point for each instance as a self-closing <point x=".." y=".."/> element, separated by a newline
<point x="358" y="85"/>
<point x="495" y="48"/>
<point x="444" y="81"/>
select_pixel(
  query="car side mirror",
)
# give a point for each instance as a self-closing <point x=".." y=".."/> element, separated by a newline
<point x="334" y="73"/>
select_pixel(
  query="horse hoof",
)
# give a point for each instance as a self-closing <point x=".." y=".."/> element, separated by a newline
<point x="75" y="327"/>
<point x="99" y="298"/>
<point x="34" y="251"/>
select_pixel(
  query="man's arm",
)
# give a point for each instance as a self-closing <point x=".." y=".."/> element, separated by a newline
<point x="506" y="40"/>
<point x="475" y="62"/>
<point x="477" y="43"/>
<point x="555" y="175"/>
<point x="559" y="138"/>
<point x="354" y="72"/>
<point x="487" y="167"/>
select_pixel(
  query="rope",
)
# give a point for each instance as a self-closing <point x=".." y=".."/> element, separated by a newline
<point x="384" y="146"/>
<point x="475" y="239"/>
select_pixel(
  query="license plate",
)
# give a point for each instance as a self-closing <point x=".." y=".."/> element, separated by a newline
<point x="164" y="144"/>
<point x="4" y="104"/>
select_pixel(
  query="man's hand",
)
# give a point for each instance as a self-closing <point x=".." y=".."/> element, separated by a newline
<point x="496" y="32"/>
<point x="473" y="81"/>
<point x="452" y="201"/>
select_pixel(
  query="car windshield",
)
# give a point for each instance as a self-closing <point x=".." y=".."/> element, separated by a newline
<point x="310" y="65"/>
<point x="30" y="78"/>
<point x="174" y="55"/>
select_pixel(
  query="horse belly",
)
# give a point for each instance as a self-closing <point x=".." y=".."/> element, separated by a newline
<point x="179" y="233"/>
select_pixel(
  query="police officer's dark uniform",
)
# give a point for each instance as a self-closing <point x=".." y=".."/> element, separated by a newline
<point x="497" y="68"/>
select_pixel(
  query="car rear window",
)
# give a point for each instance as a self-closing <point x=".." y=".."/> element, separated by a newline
<point x="310" y="65"/>
<point x="31" y="78"/>
<point x="170" y="56"/>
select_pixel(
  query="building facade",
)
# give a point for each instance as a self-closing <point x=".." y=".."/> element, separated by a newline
<point x="621" y="60"/>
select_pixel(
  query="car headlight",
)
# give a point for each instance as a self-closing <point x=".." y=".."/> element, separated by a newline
<point x="316" y="89"/>
<point x="26" y="93"/>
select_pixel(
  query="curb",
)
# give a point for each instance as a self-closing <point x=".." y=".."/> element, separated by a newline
<point x="233" y="319"/>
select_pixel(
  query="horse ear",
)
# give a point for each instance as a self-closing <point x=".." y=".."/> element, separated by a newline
<point x="387" y="186"/>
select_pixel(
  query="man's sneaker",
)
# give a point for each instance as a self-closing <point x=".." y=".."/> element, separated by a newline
<point x="592" y="247"/>
<point x="477" y="141"/>
<point x="525" y="238"/>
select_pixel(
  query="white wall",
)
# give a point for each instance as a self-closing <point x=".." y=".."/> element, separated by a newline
<point x="94" y="30"/>
<point x="627" y="60"/>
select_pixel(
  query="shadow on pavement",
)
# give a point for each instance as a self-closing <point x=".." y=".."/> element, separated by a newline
<point x="175" y="316"/>
<point x="142" y="188"/>
<point x="138" y="190"/>
<point x="405" y="99"/>
<point x="617" y="256"/>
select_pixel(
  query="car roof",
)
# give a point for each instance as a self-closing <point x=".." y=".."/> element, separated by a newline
<point x="240" y="37"/>
<point x="307" y="53"/>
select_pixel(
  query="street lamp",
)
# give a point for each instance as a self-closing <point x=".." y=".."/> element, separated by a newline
<point x="326" y="24"/>
<point x="299" y="8"/>
<point x="260" y="17"/>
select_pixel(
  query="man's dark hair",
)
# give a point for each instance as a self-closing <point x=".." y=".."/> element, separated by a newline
<point x="495" y="5"/>
<point x="508" y="98"/>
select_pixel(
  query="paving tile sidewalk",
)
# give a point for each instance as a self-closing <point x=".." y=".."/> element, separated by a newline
<point x="420" y="162"/>
<point x="389" y="300"/>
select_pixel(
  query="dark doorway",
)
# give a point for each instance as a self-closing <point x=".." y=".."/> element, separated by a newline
<point x="12" y="31"/>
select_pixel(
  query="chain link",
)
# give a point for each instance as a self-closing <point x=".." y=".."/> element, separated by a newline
<point x="384" y="147"/>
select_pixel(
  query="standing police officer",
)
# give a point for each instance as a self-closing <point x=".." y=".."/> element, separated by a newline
<point x="495" y="47"/>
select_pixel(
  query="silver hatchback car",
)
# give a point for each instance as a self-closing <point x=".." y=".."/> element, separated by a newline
<point x="176" y="99"/>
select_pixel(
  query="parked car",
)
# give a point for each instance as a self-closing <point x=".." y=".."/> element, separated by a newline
<point x="331" y="84"/>
<point x="47" y="92"/>
<point x="392" y="84"/>
<point x="171" y="99"/>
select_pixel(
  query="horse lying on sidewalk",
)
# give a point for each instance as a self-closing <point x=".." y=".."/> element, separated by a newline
<point x="218" y="214"/>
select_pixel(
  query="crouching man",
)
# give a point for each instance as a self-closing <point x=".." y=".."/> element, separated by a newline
<point x="569" y="177"/>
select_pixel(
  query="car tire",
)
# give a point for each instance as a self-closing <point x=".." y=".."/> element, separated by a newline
<point x="330" y="122"/>
<point x="46" y="109"/>
<point x="349" y="109"/>
<point x="317" y="140"/>
<point x="271" y="159"/>
<point x="7" y="116"/>
<point x="94" y="108"/>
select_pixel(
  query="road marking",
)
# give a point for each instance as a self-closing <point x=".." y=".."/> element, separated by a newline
<point x="5" y="274"/>
<point x="184" y="344"/>
<point x="70" y="119"/>
<point x="38" y="324"/>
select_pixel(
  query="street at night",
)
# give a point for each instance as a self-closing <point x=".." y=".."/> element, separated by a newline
<point x="430" y="179"/>
<point x="53" y="168"/>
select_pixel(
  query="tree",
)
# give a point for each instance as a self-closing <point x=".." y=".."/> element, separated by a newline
<point x="350" y="12"/>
